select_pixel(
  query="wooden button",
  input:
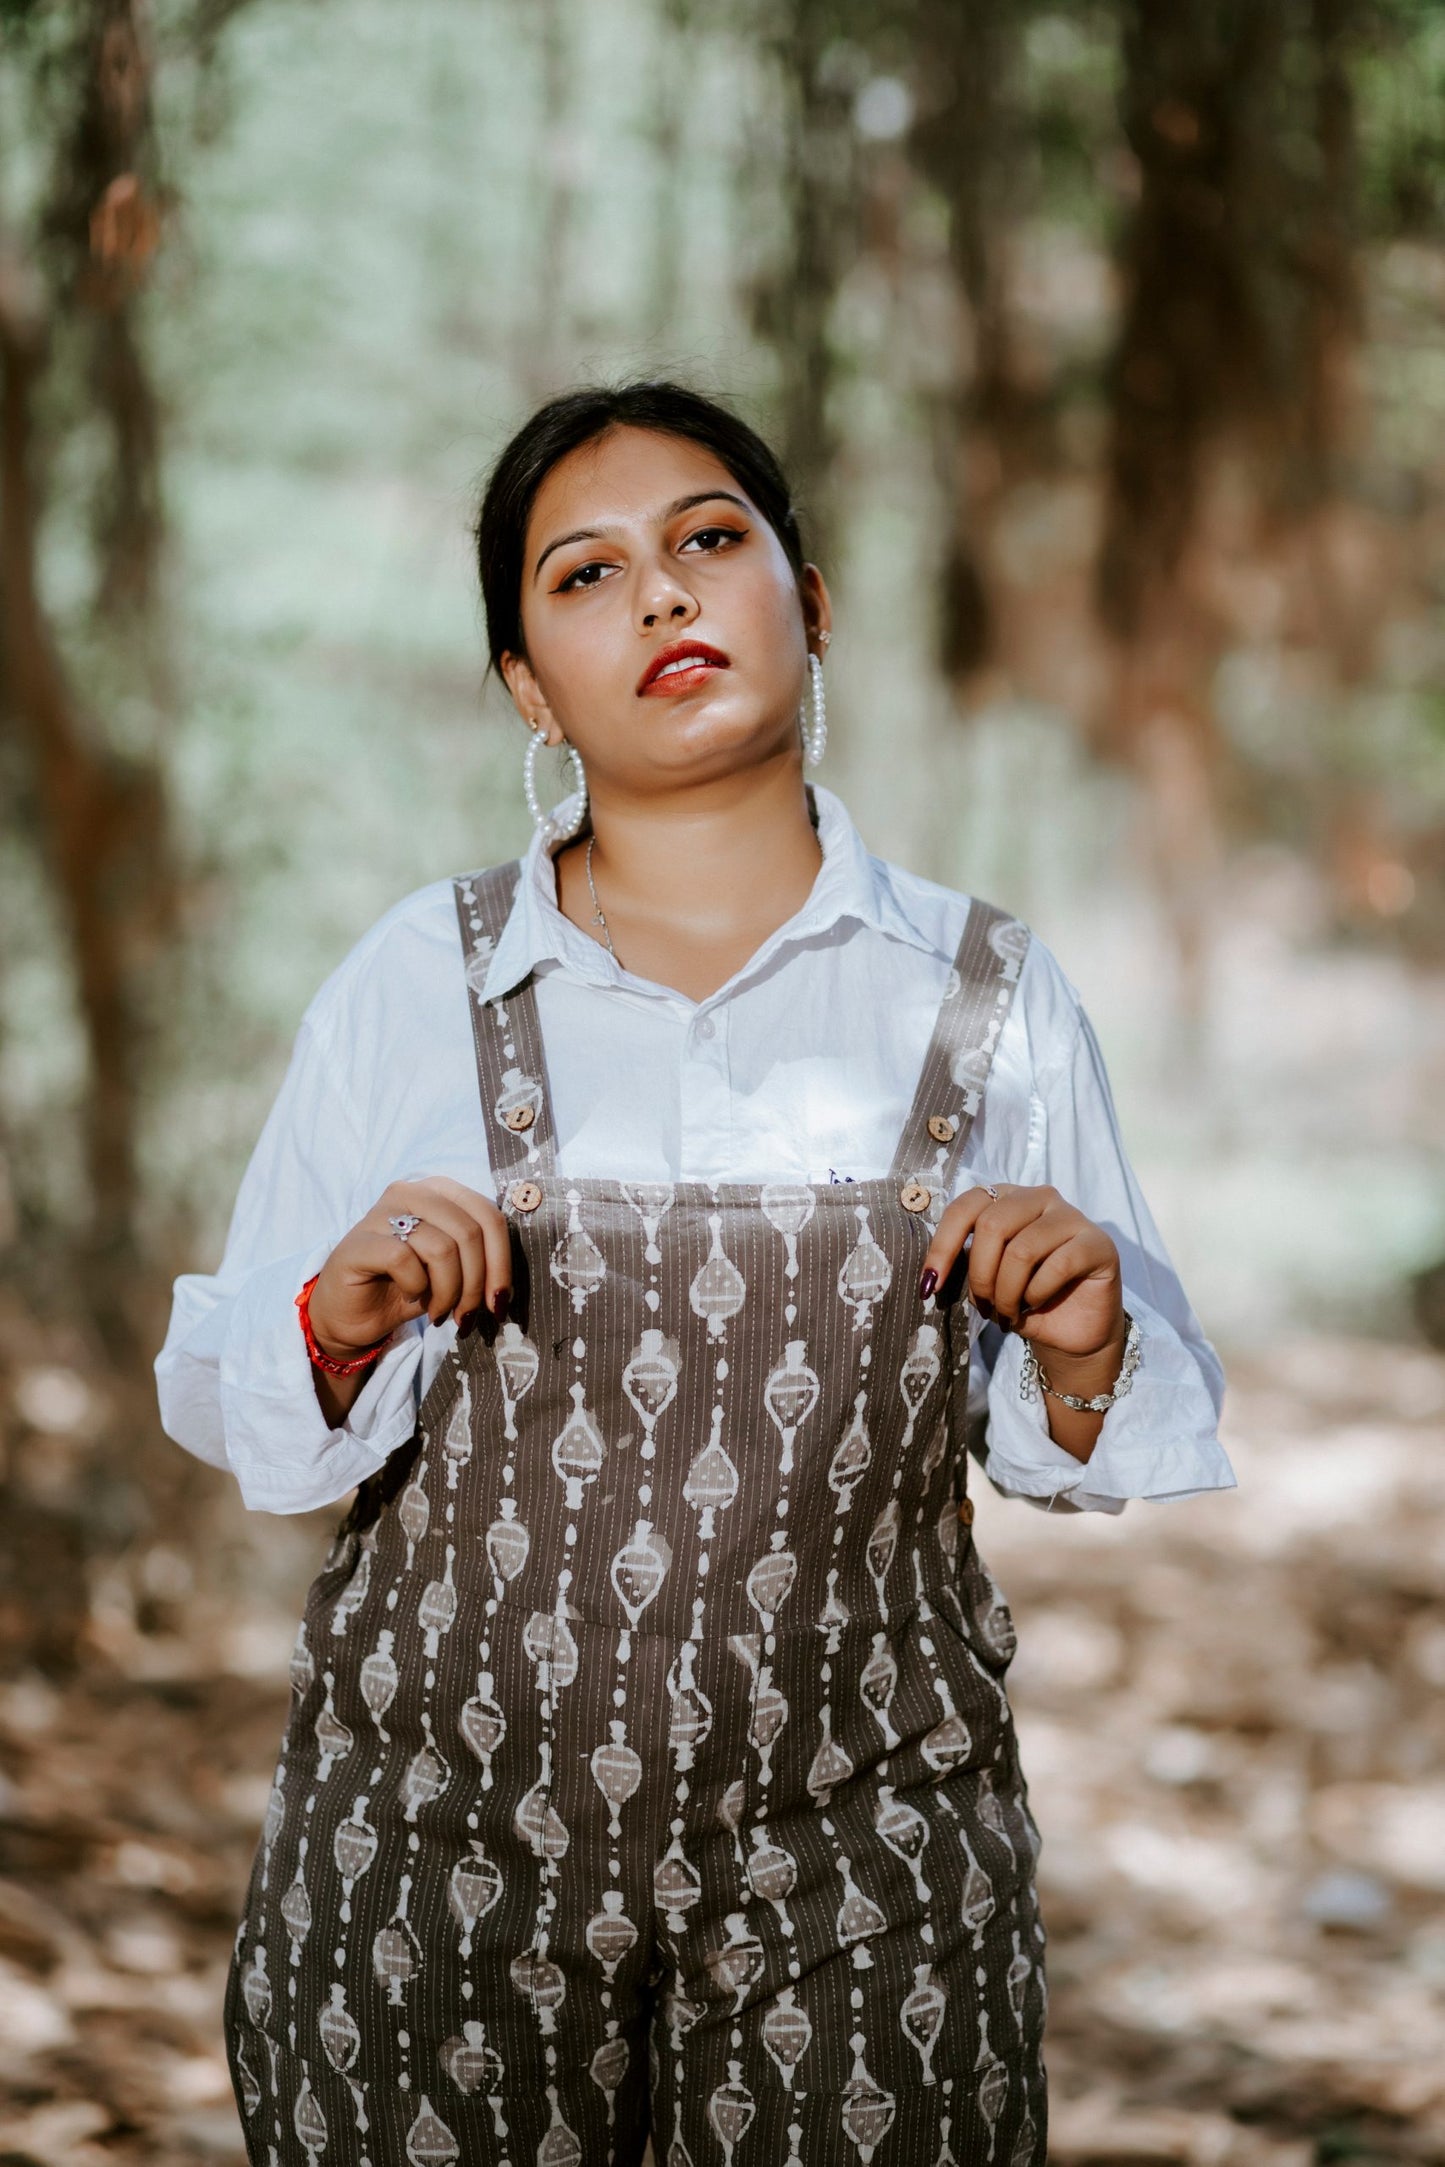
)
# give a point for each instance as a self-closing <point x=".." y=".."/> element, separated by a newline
<point x="914" y="1197"/>
<point x="524" y="1195"/>
<point x="942" y="1128"/>
<point x="965" y="1512"/>
<point x="519" y="1117"/>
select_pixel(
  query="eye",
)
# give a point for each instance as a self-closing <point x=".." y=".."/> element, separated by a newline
<point x="586" y="575"/>
<point x="712" y="539"/>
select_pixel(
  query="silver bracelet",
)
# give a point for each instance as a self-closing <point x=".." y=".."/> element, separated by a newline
<point x="1032" y="1379"/>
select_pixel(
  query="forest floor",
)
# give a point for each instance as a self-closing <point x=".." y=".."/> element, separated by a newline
<point x="1233" y="1725"/>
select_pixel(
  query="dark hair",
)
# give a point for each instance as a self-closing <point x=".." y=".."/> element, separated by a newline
<point x="580" y="417"/>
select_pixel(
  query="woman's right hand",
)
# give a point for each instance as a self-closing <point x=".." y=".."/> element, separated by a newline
<point x="459" y="1257"/>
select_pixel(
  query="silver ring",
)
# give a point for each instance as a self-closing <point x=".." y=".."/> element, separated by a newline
<point x="404" y="1225"/>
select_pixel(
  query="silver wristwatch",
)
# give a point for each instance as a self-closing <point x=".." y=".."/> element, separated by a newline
<point x="1032" y="1379"/>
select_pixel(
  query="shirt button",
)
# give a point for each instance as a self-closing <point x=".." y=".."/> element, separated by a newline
<point x="519" y="1117"/>
<point x="524" y="1195"/>
<point x="914" y="1197"/>
<point x="965" y="1512"/>
<point x="942" y="1128"/>
<point x="706" y="1028"/>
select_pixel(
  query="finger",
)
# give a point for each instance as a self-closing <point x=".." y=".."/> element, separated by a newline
<point x="1015" y="1209"/>
<point x="1025" y="1251"/>
<point x="1065" y="1268"/>
<point x="439" y="1253"/>
<point x="472" y="1220"/>
<point x="452" y="1219"/>
<point x="957" y="1223"/>
<point x="372" y="1254"/>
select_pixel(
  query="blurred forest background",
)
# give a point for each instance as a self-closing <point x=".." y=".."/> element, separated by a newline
<point x="1106" y="341"/>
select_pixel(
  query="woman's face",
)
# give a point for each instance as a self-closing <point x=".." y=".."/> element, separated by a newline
<point x="640" y="544"/>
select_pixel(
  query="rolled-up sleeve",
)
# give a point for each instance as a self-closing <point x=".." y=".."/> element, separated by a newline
<point x="233" y="1376"/>
<point x="1161" y="1440"/>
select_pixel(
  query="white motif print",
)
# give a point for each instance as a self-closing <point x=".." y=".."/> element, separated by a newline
<point x="639" y="1569"/>
<point x="341" y="2044"/>
<point x="770" y="1582"/>
<point x="977" y="1905"/>
<point x="610" y="1934"/>
<point x="396" y="1952"/>
<point x="853" y="1458"/>
<point x="650" y="1378"/>
<point x="578" y="1450"/>
<point x="991" y="2088"/>
<point x="608" y="2067"/>
<point x="859" y="1918"/>
<point x="787" y="2033"/>
<point x="1020" y="1971"/>
<point x="904" y="1830"/>
<point x="737" y="1964"/>
<point x="877" y="1686"/>
<point x="541" y="1984"/>
<point x="427" y="1775"/>
<point x="507" y="1546"/>
<point x="551" y="1644"/>
<point x="436" y="1612"/>
<point x="867" y="2111"/>
<point x="472" y="2062"/>
<point x="790" y="1395"/>
<point x="577" y="1262"/>
<point x="308" y="2121"/>
<point x="788" y="1206"/>
<point x="676" y="1885"/>
<point x="617" y="1772"/>
<point x="730" y="2111"/>
<point x="691" y="1720"/>
<point x="830" y="1765"/>
<point x="517" y="1363"/>
<point x="652" y="1201"/>
<point x="865" y="1275"/>
<point x="718" y="1290"/>
<point x="560" y="2146"/>
<point x="354" y="1594"/>
<point x="1009" y="940"/>
<point x="479" y="962"/>
<point x="483" y="1725"/>
<point x="429" y="2143"/>
<point x="772" y="1875"/>
<point x="712" y="1480"/>
<point x="457" y="1444"/>
<point x="474" y="1885"/>
<point x="296" y="1913"/>
<point x="882" y="1549"/>
<point x="250" y="2086"/>
<point x="413" y="1509"/>
<point x="379" y="1680"/>
<point x="354" y="1848"/>
<point x="303" y="1668"/>
<point x="536" y="1819"/>
<point x="518" y="1104"/>
<point x="917" y="1375"/>
<point x="922" y="2016"/>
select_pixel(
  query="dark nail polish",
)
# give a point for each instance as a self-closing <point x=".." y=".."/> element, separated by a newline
<point x="927" y="1284"/>
<point x="500" y="1301"/>
<point x="466" y="1323"/>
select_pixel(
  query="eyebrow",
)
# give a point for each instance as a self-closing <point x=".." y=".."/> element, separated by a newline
<point x="679" y="504"/>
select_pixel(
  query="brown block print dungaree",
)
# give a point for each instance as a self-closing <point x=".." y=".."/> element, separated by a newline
<point x="649" y="1765"/>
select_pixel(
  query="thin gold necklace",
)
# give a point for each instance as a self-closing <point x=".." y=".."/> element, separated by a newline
<point x="599" y="916"/>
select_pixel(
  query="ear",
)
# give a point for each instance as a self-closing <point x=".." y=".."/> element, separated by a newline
<point x="529" y="699"/>
<point x="817" y="607"/>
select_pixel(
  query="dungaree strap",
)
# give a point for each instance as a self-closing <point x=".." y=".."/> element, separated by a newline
<point x="971" y="1016"/>
<point x="511" y="1063"/>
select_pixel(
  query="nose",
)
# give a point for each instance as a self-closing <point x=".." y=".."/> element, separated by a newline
<point x="663" y="598"/>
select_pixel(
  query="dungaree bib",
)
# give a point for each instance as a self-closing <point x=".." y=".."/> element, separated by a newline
<point x="649" y="1764"/>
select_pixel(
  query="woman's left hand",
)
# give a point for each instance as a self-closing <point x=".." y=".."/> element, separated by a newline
<point x="1036" y="1265"/>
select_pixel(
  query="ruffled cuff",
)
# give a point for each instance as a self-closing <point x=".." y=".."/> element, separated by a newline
<point x="1159" y="1441"/>
<point x="279" y="1446"/>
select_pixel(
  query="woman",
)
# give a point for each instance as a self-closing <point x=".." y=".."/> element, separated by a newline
<point x="650" y="1768"/>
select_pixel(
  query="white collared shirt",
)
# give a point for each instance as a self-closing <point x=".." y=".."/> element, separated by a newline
<point x="802" y="1066"/>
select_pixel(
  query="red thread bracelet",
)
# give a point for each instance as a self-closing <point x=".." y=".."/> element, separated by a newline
<point x="322" y="1361"/>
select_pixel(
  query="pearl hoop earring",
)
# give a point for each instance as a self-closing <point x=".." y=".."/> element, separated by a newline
<point x="814" y="724"/>
<point x="565" y="818"/>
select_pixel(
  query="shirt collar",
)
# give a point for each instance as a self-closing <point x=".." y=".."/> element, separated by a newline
<point x="851" y="883"/>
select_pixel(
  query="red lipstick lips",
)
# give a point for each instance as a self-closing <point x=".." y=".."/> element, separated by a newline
<point x="669" y="670"/>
